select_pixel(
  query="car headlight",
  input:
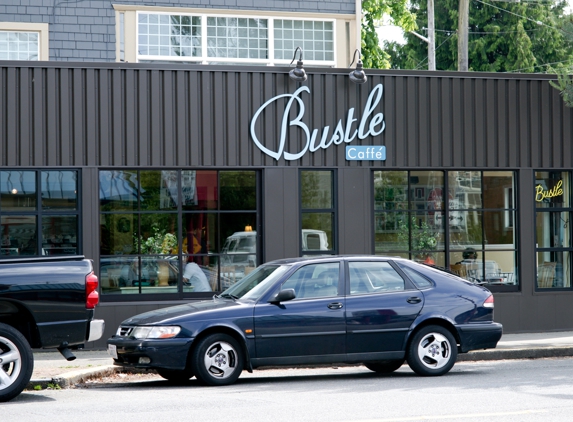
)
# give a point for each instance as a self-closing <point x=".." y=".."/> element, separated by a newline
<point x="155" y="332"/>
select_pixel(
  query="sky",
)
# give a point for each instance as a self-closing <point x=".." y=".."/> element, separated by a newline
<point x="394" y="33"/>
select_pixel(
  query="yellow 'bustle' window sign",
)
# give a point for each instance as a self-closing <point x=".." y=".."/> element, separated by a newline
<point x="542" y="194"/>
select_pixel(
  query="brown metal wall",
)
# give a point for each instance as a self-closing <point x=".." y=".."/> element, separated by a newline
<point x="114" y="115"/>
<point x="138" y="115"/>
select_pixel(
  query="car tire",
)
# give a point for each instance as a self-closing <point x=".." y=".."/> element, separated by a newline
<point x="433" y="351"/>
<point x="17" y="362"/>
<point x="384" y="366"/>
<point x="175" y="375"/>
<point x="217" y="360"/>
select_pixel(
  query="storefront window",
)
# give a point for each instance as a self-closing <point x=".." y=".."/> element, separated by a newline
<point x="408" y="208"/>
<point x="39" y="221"/>
<point x="469" y="231"/>
<point x="185" y="231"/>
<point x="482" y="215"/>
<point x="318" y="212"/>
<point x="553" y="229"/>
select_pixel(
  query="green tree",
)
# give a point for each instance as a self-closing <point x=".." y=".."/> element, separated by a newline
<point x="564" y="71"/>
<point x="503" y="37"/>
<point x="373" y="56"/>
<point x="564" y="83"/>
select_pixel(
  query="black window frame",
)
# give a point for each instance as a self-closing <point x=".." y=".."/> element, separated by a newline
<point x="181" y="294"/>
<point x="333" y="210"/>
<point x="39" y="213"/>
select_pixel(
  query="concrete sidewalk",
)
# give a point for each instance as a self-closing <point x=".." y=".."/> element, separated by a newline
<point x="50" y="368"/>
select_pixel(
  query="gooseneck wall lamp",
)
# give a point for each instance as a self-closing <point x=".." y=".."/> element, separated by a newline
<point x="357" y="75"/>
<point x="298" y="74"/>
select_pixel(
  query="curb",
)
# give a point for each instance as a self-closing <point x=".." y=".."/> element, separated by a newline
<point x="72" y="378"/>
<point x="504" y="354"/>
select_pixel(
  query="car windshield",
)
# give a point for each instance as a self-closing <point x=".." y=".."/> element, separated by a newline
<point x="256" y="283"/>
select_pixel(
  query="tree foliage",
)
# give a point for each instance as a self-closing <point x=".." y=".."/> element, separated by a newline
<point x="503" y="36"/>
<point x="373" y="56"/>
<point x="564" y="83"/>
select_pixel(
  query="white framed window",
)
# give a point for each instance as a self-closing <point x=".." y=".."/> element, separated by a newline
<point x="19" y="45"/>
<point x="207" y="38"/>
<point x="316" y="38"/>
<point x="23" y="41"/>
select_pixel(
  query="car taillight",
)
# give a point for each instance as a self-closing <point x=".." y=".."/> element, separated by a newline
<point x="92" y="295"/>
<point x="488" y="302"/>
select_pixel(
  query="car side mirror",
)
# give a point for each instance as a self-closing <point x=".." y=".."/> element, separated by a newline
<point x="283" y="296"/>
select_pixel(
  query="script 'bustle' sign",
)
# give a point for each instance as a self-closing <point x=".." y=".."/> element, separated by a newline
<point x="370" y="124"/>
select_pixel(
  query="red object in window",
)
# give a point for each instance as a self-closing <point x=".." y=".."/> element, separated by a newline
<point x="429" y="260"/>
<point x="92" y="295"/>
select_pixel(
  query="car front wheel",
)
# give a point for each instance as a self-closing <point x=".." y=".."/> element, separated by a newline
<point x="217" y="360"/>
<point x="16" y="362"/>
<point x="384" y="366"/>
<point x="432" y="351"/>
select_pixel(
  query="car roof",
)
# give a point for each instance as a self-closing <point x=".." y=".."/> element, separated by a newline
<point x="308" y="259"/>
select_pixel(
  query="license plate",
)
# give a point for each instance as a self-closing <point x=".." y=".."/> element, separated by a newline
<point x="112" y="350"/>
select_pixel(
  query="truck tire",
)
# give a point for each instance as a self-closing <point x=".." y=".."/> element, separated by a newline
<point x="16" y="362"/>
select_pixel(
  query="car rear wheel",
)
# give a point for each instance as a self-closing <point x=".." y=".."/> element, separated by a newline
<point x="384" y="366"/>
<point x="217" y="360"/>
<point x="175" y="375"/>
<point x="432" y="351"/>
<point x="16" y="362"/>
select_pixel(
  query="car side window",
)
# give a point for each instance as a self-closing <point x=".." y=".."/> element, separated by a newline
<point x="374" y="277"/>
<point x="314" y="280"/>
<point x="418" y="279"/>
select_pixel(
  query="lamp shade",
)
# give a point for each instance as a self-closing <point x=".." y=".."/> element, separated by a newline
<point x="298" y="74"/>
<point x="357" y="75"/>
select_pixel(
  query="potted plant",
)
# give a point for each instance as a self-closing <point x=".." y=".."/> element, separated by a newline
<point x="160" y="243"/>
<point x="421" y="240"/>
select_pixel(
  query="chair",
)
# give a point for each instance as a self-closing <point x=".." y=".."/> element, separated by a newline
<point x="546" y="275"/>
<point x="459" y="269"/>
<point x="228" y="277"/>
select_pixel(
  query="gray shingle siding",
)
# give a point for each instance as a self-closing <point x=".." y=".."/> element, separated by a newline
<point x="92" y="23"/>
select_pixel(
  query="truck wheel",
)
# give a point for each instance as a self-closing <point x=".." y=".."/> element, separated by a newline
<point x="217" y="360"/>
<point x="16" y="362"/>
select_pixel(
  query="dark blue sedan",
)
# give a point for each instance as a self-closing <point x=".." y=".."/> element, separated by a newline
<point x="352" y="309"/>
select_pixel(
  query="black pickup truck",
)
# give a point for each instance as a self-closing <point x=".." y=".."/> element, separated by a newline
<point x="44" y="303"/>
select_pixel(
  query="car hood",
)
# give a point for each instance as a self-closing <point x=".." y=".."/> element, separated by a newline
<point x="173" y="314"/>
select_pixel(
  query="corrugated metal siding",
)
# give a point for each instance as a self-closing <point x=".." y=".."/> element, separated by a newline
<point x="137" y="115"/>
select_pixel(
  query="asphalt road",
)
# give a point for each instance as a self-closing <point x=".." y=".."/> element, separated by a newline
<point x="516" y="390"/>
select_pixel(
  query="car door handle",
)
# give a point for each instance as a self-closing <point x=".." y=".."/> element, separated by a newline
<point x="414" y="299"/>
<point x="335" y="305"/>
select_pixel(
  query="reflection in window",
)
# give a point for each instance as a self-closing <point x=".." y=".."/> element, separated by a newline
<point x="553" y="229"/>
<point x="409" y="214"/>
<point x="439" y="217"/>
<point x="59" y="190"/>
<point x="176" y="231"/>
<point x="373" y="277"/>
<point x="26" y="228"/>
<point x="318" y="211"/>
<point x="314" y="281"/>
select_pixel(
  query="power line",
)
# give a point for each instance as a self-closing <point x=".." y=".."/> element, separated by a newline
<point x="539" y="65"/>
<point x="523" y="17"/>
<point x="423" y="61"/>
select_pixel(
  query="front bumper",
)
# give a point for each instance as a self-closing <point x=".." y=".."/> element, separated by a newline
<point x="161" y="353"/>
<point x="479" y="336"/>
